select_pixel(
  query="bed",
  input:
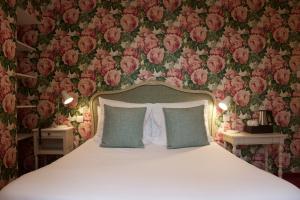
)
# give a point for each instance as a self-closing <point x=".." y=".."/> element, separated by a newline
<point x="91" y="172"/>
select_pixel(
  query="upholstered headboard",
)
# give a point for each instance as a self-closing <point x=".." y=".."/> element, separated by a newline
<point x="154" y="92"/>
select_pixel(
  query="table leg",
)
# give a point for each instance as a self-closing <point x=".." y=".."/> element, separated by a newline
<point x="234" y="149"/>
<point x="36" y="162"/>
<point x="280" y="149"/>
<point x="225" y="144"/>
<point x="266" y="158"/>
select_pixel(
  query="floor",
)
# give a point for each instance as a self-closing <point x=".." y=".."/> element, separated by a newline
<point x="293" y="178"/>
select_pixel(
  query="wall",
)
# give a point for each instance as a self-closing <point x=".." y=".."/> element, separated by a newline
<point x="8" y="166"/>
<point x="245" y="49"/>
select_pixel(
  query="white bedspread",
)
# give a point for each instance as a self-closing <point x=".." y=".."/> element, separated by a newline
<point x="91" y="172"/>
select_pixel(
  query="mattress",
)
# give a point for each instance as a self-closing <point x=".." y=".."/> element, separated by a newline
<point x="94" y="173"/>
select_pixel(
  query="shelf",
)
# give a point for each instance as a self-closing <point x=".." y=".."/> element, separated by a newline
<point x="24" y="47"/>
<point x="50" y="152"/>
<point x="26" y="106"/>
<point x="25" y="75"/>
<point x="23" y="136"/>
<point x="24" y="18"/>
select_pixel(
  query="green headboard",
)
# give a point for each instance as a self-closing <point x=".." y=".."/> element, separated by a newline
<point x="154" y="92"/>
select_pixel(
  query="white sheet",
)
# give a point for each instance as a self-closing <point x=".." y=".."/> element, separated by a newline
<point x="91" y="172"/>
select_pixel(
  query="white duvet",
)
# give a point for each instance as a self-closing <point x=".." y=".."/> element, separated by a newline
<point x="91" y="172"/>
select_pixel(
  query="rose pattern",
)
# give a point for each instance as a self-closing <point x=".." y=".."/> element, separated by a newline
<point x="71" y="16"/>
<point x="47" y="25"/>
<point x="87" y="5"/>
<point x="294" y="62"/>
<point x="156" y="55"/>
<point x="282" y="76"/>
<point x="129" y="22"/>
<point x="66" y="85"/>
<point x="172" y="42"/>
<point x="256" y="5"/>
<point x="295" y="106"/>
<point x="171" y="5"/>
<point x="167" y="40"/>
<point x="9" y="49"/>
<point x="10" y="157"/>
<point x="214" y="21"/>
<point x="86" y="44"/>
<point x="85" y="130"/>
<point x="281" y="34"/>
<point x="242" y="98"/>
<point x="30" y="37"/>
<point x="199" y="76"/>
<point x="30" y="82"/>
<point x="295" y="144"/>
<point x="239" y="13"/>
<point x="282" y="118"/>
<point x="155" y="13"/>
<point x="129" y="64"/>
<point x="45" y="66"/>
<point x="112" y="35"/>
<point x="70" y="57"/>
<point x="241" y="55"/>
<point x="30" y="121"/>
<point x="112" y="78"/>
<point x="9" y="103"/>
<point x="65" y="44"/>
<point x="215" y="63"/>
<point x="45" y="108"/>
<point x="86" y="87"/>
<point x="198" y="34"/>
<point x="258" y="85"/>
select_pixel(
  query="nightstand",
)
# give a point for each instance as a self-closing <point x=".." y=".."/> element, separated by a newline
<point x="53" y="141"/>
<point x="243" y="138"/>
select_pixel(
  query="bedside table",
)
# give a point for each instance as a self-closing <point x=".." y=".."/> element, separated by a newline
<point x="53" y="141"/>
<point x="243" y="138"/>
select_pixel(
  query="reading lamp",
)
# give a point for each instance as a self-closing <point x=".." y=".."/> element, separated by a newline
<point x="66" y="98"/>
<point x="225" y="103"/>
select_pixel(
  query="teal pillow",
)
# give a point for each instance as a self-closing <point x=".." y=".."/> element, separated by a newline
<point x="185" y="127"/>
<point x="123" y="127"/>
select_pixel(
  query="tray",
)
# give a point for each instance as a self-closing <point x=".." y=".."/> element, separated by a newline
<point x="259" y="129"/>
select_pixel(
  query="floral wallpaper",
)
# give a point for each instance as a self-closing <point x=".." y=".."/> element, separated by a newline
<point x="246" y="49"/>
<point x="8" y="166"/>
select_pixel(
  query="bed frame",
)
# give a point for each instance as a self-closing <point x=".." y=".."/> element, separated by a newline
<point x="154" y="92"/>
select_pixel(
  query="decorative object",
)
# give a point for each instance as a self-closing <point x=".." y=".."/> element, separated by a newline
<point x="265" y="117"/>
<point x="252" y="122"/>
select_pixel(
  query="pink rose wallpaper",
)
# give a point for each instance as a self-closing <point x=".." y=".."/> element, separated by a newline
<point x="246" y="49"/>
<point x="8" y="101"/>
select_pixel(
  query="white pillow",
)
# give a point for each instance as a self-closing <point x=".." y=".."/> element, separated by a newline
<point x="159" y="118"/>
<point x="100" y="112"/>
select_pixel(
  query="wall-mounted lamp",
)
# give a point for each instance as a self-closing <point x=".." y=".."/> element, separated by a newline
<point x="66" y="98"/>
<point x="224" y="104"/>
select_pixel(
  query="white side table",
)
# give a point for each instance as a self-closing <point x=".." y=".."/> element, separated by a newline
<point x="53" y="141"/>
<point x="243" y="138"/>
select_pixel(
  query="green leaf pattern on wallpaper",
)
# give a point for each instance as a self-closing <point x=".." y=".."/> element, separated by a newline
<point x="8" y="168"/>
<point x="248" y="49"/>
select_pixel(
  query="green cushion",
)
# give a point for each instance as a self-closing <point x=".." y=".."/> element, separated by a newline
<point x="185" y="127"/>
<point x="123" y="127"/>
